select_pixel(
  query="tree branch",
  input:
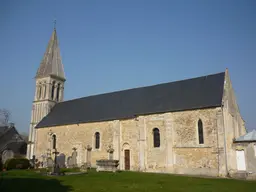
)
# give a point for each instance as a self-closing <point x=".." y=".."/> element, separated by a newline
<point x="5" y="116"/>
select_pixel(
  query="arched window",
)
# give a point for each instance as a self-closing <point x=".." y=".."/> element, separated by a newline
<point x="39" y="91"/>
<point x="45" y="89"/>
<point x="156" y="136"/>
<point x="53" y="85"/>
<point x="54" y="141"/>
<point x="58" y="92"/>
<point x="97" y="140"/>
<point x="200" y="132"/>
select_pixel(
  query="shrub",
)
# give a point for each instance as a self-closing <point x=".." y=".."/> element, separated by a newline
<point x="18" y="156"/>
<point x="16" y="163"/>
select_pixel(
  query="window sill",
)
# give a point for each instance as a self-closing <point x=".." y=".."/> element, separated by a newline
<point x="96" y="149"/>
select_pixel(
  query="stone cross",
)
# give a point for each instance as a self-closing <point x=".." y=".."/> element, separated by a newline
<point x="110" y="150"/>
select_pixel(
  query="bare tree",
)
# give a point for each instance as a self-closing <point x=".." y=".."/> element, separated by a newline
<point x="5" y="116"/>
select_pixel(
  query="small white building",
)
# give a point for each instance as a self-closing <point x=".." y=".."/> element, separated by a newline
<point x="246" y="153"/>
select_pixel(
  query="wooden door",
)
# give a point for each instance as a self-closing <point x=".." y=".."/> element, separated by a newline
<point x="127" y="159"/>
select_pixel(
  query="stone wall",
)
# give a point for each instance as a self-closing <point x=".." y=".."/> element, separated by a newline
<point x="129" y="140"/>
<point x="233" y="122"/>
<point x="156" y="157"/>
<point x="250" y="153"/>
<point x="189" y="156"/>
<point x="78" y="136"/>
<point x="179" y="150"/>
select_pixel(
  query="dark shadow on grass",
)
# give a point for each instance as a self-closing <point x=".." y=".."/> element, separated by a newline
<point x="14" y="184"/>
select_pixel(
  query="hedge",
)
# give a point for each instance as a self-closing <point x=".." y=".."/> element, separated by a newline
<point x="16" y="163"/>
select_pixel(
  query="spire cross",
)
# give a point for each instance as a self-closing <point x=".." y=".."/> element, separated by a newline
<point x="54" y="23"/>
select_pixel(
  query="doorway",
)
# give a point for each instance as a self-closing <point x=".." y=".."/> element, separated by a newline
<point x="240" y="160"/>
<point x="127" y="159"/>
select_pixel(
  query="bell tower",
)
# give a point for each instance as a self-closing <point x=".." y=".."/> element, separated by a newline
<point x="50" y="79"/>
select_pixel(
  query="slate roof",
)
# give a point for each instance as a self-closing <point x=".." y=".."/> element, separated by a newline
<point x="196" y="93"/>
<point x="51" y="63"/>
<point x="251" y="136"/>
<point x="10" y="138"/>
<point x="17" y="147"/>
<point x="3" y="129"/>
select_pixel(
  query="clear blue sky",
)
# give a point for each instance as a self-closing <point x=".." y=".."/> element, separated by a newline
<point x="114" y="45"/>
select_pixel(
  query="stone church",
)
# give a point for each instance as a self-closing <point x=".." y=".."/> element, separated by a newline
<point x="183" y="127"/>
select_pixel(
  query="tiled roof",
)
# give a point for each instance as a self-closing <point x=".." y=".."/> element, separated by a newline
<point x="51" y="63"/>
<point x="9" y="137"/>
<point x="196" y="93"/>
<point x="3" y="129"/>
<point x="251" y="136"/>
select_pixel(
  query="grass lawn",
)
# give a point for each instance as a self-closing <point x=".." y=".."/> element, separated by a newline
<point x="29" y="181"/>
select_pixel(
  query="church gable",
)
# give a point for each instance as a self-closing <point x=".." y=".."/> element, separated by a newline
<point x="231" y="109"/>
<point x="229" y="95"/>
<point x="10" y="139"/>
<point x="196" y="93"/>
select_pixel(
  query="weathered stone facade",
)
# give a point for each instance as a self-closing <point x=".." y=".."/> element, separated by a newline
<point x="179" y="151"/>
<point x="42" y="105"/>
<point x="49" y="89"/>
<point x="234" y="125"/>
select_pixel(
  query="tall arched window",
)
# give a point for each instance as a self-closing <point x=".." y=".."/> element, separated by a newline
<point x="97" y="140"/>
<point x="45" y="89"/>
<point x="156" y="137"/>
<point x="200" y="132"/>
<point x="39" y="91"/>
<point x="58" y="92"/>
<point x="54" y="141"/>
<point x="53" y="85"/>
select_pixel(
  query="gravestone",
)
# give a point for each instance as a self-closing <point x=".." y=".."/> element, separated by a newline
<point x="88" y="156"/>
<point x="44" y="161"/>
<point x="61" y="160"/>
<point x="49" y="162"/>
<point x="7" y="154"/>
<point x="74" y="160"/>
<point x="69" y="162"/>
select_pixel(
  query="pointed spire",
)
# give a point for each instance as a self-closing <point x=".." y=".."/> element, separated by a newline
<point x="51" y="63"/>
<point x="55" y="24"/>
